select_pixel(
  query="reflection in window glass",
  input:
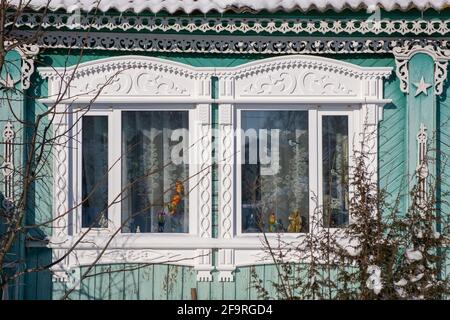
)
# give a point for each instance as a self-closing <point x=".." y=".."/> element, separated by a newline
<point x="335" y="170"/>
<point x="94" y="171"/>
<point x="154" y="183"/>
<point x="275" y="171"/>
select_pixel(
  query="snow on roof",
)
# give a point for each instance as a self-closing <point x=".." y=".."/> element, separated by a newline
<point x="205" y="6"/>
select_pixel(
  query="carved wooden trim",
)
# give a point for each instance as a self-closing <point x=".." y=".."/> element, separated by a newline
<point x="259" y="25"/>
<point x="61" y="174"/>
<point x="226" y="185"/>
<point x="28" y="53"/>
<point x="440" y="57"/>
<point x="148" y="80"/>
<point x="204" y="260"/>
<point x="300" y="76"/>
<point x="422" y="170"/>
<point x="8" y="166"/>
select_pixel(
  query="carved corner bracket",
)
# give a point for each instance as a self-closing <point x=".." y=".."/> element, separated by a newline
<point x="440" y="57"/>
<point x="28" y="53"/>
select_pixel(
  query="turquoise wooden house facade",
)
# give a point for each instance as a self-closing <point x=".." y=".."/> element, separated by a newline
<point x="200" y="75"/>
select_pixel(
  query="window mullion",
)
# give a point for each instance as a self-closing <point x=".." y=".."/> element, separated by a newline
<point x="315" y="157"/>
<point x="115" y="170"/>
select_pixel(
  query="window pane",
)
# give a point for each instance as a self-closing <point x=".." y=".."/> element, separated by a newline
<point x="275" y="171"/>
<point x="154" y="182"/>
<point x="95" y="171"/>
<point x="335" y="170"/>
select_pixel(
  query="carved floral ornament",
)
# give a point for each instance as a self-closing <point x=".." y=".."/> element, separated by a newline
<point x="289" y="77"/>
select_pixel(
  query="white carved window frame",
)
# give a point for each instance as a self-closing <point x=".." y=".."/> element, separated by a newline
<point x="333" y="88"/>
<point x="164" y="86"/>
<point x="333" y="85"/>
<point x="113" y="113"/>
<point x="315" y="170"/>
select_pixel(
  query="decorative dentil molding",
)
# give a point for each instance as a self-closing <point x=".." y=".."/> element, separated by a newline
<point x="440" y="56"/>
<point x="250" y="25"/>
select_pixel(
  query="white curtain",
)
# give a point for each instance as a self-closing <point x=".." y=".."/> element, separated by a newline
<point x="148" y="169"/>
<point x="335" y="170"/>
<point x="269" y="198"/>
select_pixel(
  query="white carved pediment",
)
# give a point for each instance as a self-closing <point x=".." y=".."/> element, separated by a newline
<point x="128" y="76"/>
<point x="132" y="82"/>
<point x="299" y="83"/>
<point x="303" y="76"/>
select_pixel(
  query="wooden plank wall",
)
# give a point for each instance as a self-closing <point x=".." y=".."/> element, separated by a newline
<point x="175" y="282"/>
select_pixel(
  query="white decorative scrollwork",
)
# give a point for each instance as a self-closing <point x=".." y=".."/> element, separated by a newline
<point x="301" y="76"/>
<point x="440" y="56"/>
<point x="129" y="256"/>
<point x="225" y="165"/>
<point x="422" y="167"/>
<point x="237" y="44"/>
<point x="28" y="52"/>
<point x="8" y="166"/>
<point x="61" y="187"/>
<point x="204" y="265"/>
<point x="205" y="184"/>
<point x="137" y="82"/>
<point x="226" y="171"/>
<point x="128" y="76"/>
<point x="289" y="83"/>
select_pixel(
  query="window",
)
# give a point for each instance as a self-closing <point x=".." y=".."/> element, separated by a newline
<point x="293" y="166"/>
<point x="95" y="171"/>
<point x="335" y="164"/>
<point x="140" y="160"/>
<point x="274" y="171"/>
<point x="153" y="199"/>
<point x="136" y="177"/>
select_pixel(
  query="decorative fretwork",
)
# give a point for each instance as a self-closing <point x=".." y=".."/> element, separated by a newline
<point x="204" y="259"/>
<point x="258" y="25"/>
<point x="28" y="53"/>
<point x="440" y="55"/>
<point x="236" y="44"/>
<point x="8" y="166"/>
<point x="422" y="167"/>
<point x="226" y="264"/>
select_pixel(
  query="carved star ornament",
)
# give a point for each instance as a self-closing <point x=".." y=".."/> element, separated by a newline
<point x="422" y="87"/>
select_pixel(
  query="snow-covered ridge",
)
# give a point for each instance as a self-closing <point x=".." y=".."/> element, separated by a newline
<point x="205" y="6"/>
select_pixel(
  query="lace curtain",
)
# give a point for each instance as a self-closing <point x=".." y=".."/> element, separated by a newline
<point x="155" y="194"/>
<point x="335" y="170"/>
<point x="275" y="188"/>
